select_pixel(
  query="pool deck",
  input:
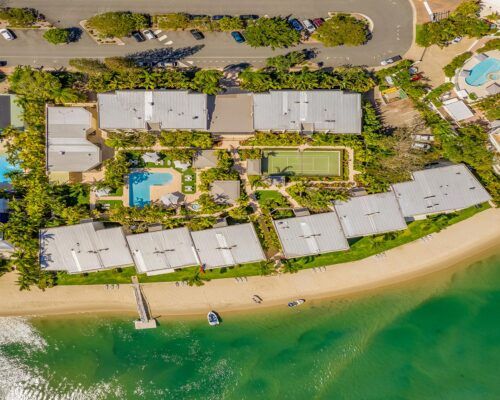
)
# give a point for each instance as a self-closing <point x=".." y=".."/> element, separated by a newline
<point x="480" y="91"/>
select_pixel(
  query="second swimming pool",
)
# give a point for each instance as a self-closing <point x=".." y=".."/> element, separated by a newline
<point x="483" y="72"/>
<point x="140" y="183"/>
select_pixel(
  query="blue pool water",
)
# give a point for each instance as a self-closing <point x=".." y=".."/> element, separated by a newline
<point x="4" y="168"/>
<point x="139" y="184"/>
<point x="483" y="72"/>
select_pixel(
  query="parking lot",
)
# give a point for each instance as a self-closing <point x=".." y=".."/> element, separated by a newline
<point x="392" y="32"/>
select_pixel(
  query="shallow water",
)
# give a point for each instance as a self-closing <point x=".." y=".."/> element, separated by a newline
<point x="437" y="338"/>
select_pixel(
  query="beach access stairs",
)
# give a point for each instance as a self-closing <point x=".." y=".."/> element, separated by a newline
<point x="145" y="321"/>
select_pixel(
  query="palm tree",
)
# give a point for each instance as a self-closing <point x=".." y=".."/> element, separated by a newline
<point x="290" y="267"/>
<point x="195" y="279"/>
<point x="62" y="95"/>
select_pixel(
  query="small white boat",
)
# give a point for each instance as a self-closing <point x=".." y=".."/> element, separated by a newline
<point x="296" y="303"/>
<point x="213" y="318"/>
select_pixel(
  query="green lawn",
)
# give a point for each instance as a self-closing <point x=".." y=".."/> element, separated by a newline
<point x="112" y="203"/>
<point x="304" y="163"/>
<point x="263" y="195"/>
<point x="360" y="249"/>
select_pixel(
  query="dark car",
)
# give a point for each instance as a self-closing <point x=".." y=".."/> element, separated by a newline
<point x="249" y="16"/>
<point x="219" y="17"/>
<point x="317" y="22"/>
<point x="237" y="36"/>
<point x="3" y="63"/>
<point x="296" y="25"/>
<point x="197" y="34"/>
<point x="138" y="36"/>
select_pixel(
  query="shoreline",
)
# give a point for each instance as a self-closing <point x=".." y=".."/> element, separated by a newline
<point x="460" y="244"/>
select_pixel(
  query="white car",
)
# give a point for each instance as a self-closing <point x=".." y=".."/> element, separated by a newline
<point x="420" y="146"/>
<point x="456" y="40"/>
<point x="309" y="25"/>
<point x="149" y="34"/>
<point x="7" y="35"/>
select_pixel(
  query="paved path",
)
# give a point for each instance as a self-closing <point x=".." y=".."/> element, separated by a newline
<point x="392" y="33"/>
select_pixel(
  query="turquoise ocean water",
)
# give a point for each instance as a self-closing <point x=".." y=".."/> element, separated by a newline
<point x="437" y="338"/>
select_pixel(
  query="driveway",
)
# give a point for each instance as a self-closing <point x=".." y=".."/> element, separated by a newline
<point x="392" y="33"/>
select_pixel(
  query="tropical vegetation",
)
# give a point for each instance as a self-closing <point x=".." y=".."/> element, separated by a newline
<point x="19" y="17"/>
<point x="456" y="63"/>
<point x="57" y="36"/>
<point x="118" y="24"/>
<point x="271" y="32"/>
<point x="342" y="29"/>
<point x="490" y="106"/>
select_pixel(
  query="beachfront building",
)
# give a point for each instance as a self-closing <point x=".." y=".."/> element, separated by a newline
<point x="439" y="190"/>
<point x="68" y="147"/>
<point x="162" y="251"/>
<point x="307" y="111"/>
<point x="370" y="215"/>
<point x="228" y="245"/>
<point x="81" y="248"/>
<point x="311" y="235"/>
<point x="153" y="110"/>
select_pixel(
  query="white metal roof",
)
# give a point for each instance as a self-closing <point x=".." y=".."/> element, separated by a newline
<point x="162" y="251"/>
<point x="312" y="234"/>
<point x="229" y="245"/>
<point x="370" y="215"/>
<point x="438" y="190"/>
<point x="135" y="109"/>
<point x="313" y="110"/>
<point x="83" y="248"/>
<point x="458" y="110"/>
<point x="68" y="149"/>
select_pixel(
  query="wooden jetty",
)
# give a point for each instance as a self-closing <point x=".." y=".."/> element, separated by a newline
<point x="145" y="321"/>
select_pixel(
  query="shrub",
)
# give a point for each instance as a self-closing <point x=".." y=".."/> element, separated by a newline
<point x="121" y="64"/>
<point x="19" y="17"/>
<point x="271" y="32"/>
<point x="342" y="29"/>
<point x="174" y="21"/>
<point x="201" y="140"/>
<point x="286" y="61"/>
<point x="490" y="106"/>
<point x="457" y="62"/>
<point x="438" y="92"/>
<point x="90" y="66"/>
<point x="207" y="81"/>
<point x="493" y="44"/>
<point x="57" y="36"/>
<point x="118" y="24"/>
<point x="230" y="24"/>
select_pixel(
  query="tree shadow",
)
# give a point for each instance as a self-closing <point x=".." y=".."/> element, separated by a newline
<point x="154" y="56"/>
<point x="74" y="34"/>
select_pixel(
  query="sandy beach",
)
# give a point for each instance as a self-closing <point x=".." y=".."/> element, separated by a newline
<point x="467" y="241"/>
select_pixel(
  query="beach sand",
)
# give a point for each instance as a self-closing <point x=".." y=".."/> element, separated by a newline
<point x="464" y="242"/>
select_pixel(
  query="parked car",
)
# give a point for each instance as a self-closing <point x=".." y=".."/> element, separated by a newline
<point x="7" y="35"/>
<point x="197" y="34"/>
<point x="198" y="16"/>
<point x="249" y="16"/>
<point x="3" y="63"/>
<point x="318" y="22"/>
<point x="391" y="60"/>
<point x="149" y="34"/>
<point x="238" y="37"/>
<point x="424" y="138"/>
<point x="458" y="39"/>
<point x="416" y="77"/>
<point x="309" y="25"/>
<point x="420" y="146"/>
<point x="218" y="17"/>
<point x="166" y="64"/>
<point x="138" y="36"/>
<point x="296" y="25"/>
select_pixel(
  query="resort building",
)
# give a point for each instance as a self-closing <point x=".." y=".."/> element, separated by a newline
<point x="370" y="215"/>
<point x="228" y="245"/>
<point x="153" y="110"/>
<point x="231" y="113"/>
<point x="225" y="192"/>
<point x="85" y="247"/>
<point x="307" y="111"/>
<point x="68" y="149"/>
<point x="205" y="159"/>
<point x="439" y="190"/>
<point x="163" y="251"/>
<point x="458" y="110"/>
<point x="311" y="235"/>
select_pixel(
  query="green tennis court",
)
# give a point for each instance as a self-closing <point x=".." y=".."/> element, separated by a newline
<point x="306" y="163"/>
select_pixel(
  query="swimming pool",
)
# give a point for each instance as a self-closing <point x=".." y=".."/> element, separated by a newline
<point x="140" y="183"/>
<point x="5" y="167"/>
<point x="483" y="72"/>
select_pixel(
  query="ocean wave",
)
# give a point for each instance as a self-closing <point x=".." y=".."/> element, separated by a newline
<point x="19" y="343"/>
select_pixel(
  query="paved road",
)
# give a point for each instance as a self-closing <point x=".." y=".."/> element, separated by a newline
<point x="392" y="31"/>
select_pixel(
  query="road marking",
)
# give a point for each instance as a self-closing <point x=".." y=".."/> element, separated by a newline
<point x="428" y="8"/>
<point x="157" y="32"/>
<point x="161" y="38"/>
<point x="168" y="43"/>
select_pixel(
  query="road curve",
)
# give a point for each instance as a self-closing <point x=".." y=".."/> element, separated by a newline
<point x="392" y="34"/>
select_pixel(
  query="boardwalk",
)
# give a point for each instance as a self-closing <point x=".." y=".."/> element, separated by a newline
<point x="145" y="321"/>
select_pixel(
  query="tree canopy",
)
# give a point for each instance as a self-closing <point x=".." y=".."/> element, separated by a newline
<point x="57" y="36"/>
<point x="342" y="29"/>
<point x="19" y="17"/>
<point x="271" y="32"/>
<point x="118" y="24"/>
<point x="286" y="61"/>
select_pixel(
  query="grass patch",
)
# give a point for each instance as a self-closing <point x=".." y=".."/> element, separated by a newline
<point x="117" y="192"/>
<point x="362" y="248"/>
<point x="264" y="195"/>
<point x="112" y="203"/>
